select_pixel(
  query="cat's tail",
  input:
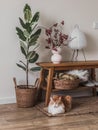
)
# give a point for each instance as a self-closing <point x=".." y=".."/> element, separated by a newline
<point x="67" y="100"/>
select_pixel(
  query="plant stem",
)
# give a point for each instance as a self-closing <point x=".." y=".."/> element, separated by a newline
<point x="27" y="64"/>
<point x="27" y="74"/>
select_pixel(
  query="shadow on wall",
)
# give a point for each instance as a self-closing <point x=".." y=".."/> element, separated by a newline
<point x="44" y="54"/>
<point x="66" y="53"/>
<point x="91" y="44"/>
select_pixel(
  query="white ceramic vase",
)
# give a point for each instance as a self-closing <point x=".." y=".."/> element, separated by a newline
<point x="56" y="57"/>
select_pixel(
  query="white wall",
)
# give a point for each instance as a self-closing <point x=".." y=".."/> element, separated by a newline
<point x="82" y="12"/>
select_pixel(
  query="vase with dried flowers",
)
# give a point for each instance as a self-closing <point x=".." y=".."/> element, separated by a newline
<point x="55" y="39"/>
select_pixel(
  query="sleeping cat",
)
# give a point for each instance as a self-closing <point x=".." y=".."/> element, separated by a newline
<point x="56" y="106"/>
<point x="59" y="104"/>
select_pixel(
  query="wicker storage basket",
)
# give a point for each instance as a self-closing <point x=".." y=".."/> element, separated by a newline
<point x="66" y="84"/>
<point x="25" y="97"/>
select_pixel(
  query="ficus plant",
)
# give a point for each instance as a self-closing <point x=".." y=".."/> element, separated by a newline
<point x="28" y="33"/>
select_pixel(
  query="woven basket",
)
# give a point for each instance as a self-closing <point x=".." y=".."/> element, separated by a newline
<point x="66" y="84"/>
<point x="25" y="97"/>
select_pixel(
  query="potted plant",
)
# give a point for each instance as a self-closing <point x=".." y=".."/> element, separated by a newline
<point x="28" y="35"/>
<point x="55" y="39"/>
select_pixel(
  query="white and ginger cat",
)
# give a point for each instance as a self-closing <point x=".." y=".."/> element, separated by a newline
<point x="56" y="105"/>
<point x="59" y="104"/>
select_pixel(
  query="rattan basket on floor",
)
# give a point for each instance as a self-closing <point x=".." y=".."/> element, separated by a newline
<point x="66" y="84"/>
<point x="25" y="97"/>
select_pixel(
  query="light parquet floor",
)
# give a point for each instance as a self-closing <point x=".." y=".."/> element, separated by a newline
<point x="13" y="118"/>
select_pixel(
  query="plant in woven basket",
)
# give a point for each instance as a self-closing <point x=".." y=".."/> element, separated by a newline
<point x="28" y="35"/>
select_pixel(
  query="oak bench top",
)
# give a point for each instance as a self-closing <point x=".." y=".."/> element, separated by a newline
<point x="69" y="64"/>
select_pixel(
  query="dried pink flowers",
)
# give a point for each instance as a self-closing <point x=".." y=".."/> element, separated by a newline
<point x="55" y="36"/>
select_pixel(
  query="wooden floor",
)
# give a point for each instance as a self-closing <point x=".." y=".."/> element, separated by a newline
<point x="13" y="118"/>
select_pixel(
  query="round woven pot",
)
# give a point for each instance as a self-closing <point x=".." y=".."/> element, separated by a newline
<point x="25" y="97"/>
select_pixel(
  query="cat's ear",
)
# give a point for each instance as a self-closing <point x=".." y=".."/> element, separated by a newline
<point x="60" y="98"/>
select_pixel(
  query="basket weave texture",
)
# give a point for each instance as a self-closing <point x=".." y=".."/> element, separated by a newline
<point x="66" y="84"/>
<point x="25" y="97"/>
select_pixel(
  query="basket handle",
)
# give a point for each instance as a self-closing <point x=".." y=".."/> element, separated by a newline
<point x="37" y="82"/>
<point x="14" y="79"/>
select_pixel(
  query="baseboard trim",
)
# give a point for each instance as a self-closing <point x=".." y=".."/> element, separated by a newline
<point x="7" y="100"/>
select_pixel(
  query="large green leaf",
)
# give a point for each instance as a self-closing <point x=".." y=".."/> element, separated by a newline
<point x="26" y="33"/>
<point x="27" y="7"/>
<point x="27" y="13"/>
<point x="34" y="58"/>
<point x="28" y="28"/>
<point x="21" y="66"/>
<point x="30" y="55"/>
<point x="33" y="40"/>
<point x="34" y="27"/>
<point x="35" y="69"/>
<point x="23" y="48"/>
<point x="38" y="32"/>
<point x="22" y="23"/>
<point x="23" y="51"/>
<point x="22" y="63"/>
<point x="34" y="37"/>
<point x="35" y="18"/>
<point x="20" y="34"/>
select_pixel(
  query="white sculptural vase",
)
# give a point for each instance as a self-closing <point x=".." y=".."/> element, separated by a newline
<point x="77" y="42"/>
<point x="56" y="57"/>
<point x="78" y="39"/>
